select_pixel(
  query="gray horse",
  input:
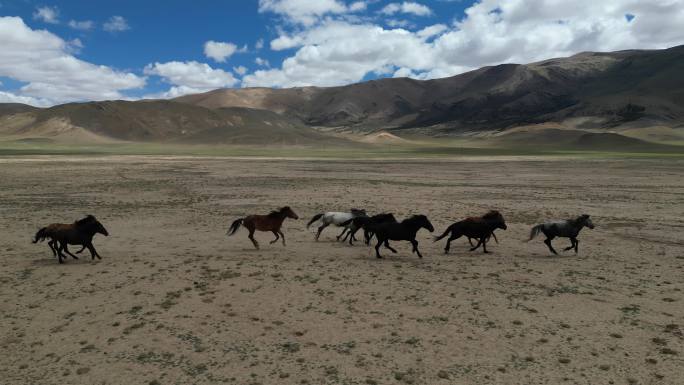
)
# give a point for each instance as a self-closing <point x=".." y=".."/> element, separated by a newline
<point x="568" y="228"/>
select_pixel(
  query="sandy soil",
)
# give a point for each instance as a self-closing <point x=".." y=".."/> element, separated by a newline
<point x="174" y="301"/>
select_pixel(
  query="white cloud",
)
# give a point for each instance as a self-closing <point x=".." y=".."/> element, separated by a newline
<point x="190" y="77"/>
<point x="54" y="75"/>
<point x="406" y="7"/>
<point x="8" y="97"/>
<point x="84" y="25"/>
<point x="336" y="51"/>
<point x="308" y="12"/>
<point x="240" y="70"/>
<point x="47" y="14"/>
<point x="259" y="44"/>
<point x="219" y="51"/>
<point x="262" y="62"/>
<point x="116" y="24"/>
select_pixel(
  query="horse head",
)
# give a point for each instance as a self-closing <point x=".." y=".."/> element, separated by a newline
<point x="496" y="218"/>
<point x="422" y="221"/>
<point x="287" y="211"/>
<point x="358" y="212"/>
<point x="91" y="223"/>
<point x="585" y="221"/>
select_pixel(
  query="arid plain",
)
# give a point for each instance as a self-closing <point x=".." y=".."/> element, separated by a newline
<point x="175" y="301"/>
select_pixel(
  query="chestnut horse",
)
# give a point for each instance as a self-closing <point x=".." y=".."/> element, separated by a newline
<point x="271" y="222"/>
<point x="80" y="232"/>
<point x="480" y="228"/>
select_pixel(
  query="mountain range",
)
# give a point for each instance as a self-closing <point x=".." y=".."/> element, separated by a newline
<point x="598" y="92"/>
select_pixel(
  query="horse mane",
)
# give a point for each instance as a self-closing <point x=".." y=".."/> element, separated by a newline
<point x="86" y="220"/>
<point x="412" y="219"/>
<point x="492" y="214"/>
<point x="277" y="213"/>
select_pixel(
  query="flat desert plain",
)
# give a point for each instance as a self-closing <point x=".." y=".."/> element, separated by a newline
<point x="175" y="301"/>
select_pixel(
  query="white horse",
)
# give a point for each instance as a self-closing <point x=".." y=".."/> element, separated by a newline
<point x="335" y="218"/>
<point x="568" y="228"/>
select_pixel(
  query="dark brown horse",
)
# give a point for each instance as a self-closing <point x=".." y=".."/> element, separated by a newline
<point x="271" y="222"/>
<point x="80" y="232"/>
<point x="480" y="228"/>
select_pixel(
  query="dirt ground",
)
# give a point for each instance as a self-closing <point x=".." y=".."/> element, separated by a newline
<point x="175" y="301"/>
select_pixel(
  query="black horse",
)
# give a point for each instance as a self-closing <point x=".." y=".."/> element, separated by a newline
<point x="80" y="232"/>
<point x="480" y="228"/>
<point x="400" y="231"/>
<point x="364" y="223"/>
<point x="569" y="228"/>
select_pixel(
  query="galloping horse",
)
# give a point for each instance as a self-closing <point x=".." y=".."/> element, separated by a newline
<point x="480" y="228"/>
<point x="357" y="223"/>
<point x="80" y="232"/>
<point x="568" y="228"/>
<point x="271" y="222"/>
<point x="335" y="218"/>
<point x="402" y="231"/>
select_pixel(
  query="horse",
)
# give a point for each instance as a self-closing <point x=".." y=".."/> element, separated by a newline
<point x="271" y="222"/>
<point x="357" y="223"/>
<point x="400" y="231"/>
<point x="568" y="228"/>
<point x="80" y="232"/>
<point x="480" y="228"/>
<point x="335" y="218"/>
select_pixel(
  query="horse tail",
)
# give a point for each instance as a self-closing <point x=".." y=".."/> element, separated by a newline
<point x="235" y="226"/>
<point x="535" y="231"/>
<point x="40" y="235"/>
<point x="314" y="219"/>
<point x="447" y="231"/>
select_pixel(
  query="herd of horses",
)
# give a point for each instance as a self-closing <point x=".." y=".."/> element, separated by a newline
<point x="384" y="227"/>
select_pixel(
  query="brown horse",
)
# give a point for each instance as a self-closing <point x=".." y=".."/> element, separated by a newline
<point x="480" y="228"/>
<point x="80" y="232"/>
<point x="271" y="222"/>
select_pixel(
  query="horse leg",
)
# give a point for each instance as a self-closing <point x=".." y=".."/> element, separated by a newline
<point x="282" y="236"/>
<point x="479" y="242"/>
<point x="548" y="243"/>
<point x="572" y="245"/>
<point x="53" y="247"/>
<point x="60" y="256"/>
<point x="387" y="245"/>
<point x="484" y="245"/>
<point x="367" y="235"/>
<point x="576" y="244"/>
<point x="251" y="238"/>
<point x="448" y="244"/>
<point x="377" y="248"/>
<point x="66" y="250"/>
<point x="82" y="248"/>
<point x="344" y="230"/>
<point x="320" y="229"/>
<point x="415" y="248"/>
<point x="470" y="240"/>
<point x="276" y="237"/>
<point x="93" y="252"/>
<point x="352" y="237"/>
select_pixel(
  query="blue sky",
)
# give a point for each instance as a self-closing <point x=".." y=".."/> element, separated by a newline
<point x="61" y="51"/>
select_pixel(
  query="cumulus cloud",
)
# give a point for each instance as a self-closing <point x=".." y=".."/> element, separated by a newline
<point x="219" y="51"/>
<point x="240" y="70"/>
<point x="53" y="75"/>
<point x="406" y="7"/>
<point x="190" y="77"/>
<point x="339" y="51"/>
<point x="84" y="25"/>
<point x="308" y="12"/>
<point x="116" y="24"/>
<point x="47" y="14"/>
<point x="262" y="62"/>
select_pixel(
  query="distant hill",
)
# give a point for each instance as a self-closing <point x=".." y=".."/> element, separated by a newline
<point x="590" y="93"/>
<point x="158" y="120"/>
<point x="609" y="89"/>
